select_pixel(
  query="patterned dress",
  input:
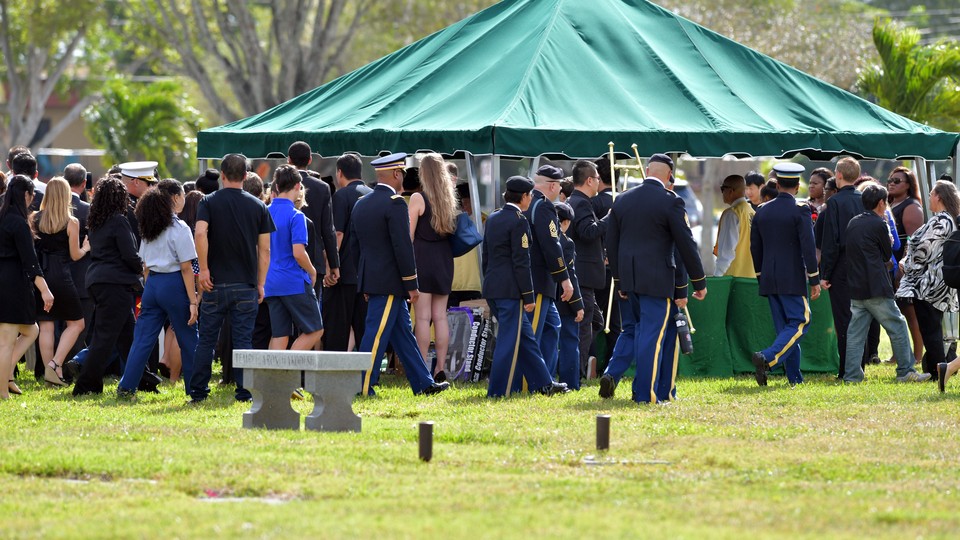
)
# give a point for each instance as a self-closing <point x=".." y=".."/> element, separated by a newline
<point x="923" y="264"/>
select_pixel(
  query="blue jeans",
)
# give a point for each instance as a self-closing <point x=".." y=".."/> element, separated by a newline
<point x="164" y="297"/>
<point x="239" y="301"/>
<point x="886" y="312"/>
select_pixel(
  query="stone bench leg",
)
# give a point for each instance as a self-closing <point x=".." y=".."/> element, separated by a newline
<point x="333" y="393"/>
<point x="271" y="391"/>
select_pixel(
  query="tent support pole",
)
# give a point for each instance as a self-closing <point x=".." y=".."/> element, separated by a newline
<point x="923" y="179"/>
<point x="497" y="194"/>
<point x="534" y="165"/>
<point x="204" y="165"/>
<point x="475" y="204"/>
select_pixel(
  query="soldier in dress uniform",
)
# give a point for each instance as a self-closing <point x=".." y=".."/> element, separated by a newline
<point x="387" y="274"/>
<point x="571" y="311"/>
<point x="508" y="287"/>
<point x="785" y="257"/>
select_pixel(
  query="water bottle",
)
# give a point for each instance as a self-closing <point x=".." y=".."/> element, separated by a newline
<point x="683" y="333"/>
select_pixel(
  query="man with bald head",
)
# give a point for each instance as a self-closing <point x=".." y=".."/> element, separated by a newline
<point x="646" y="226"/>
<point x="733" y="235"/>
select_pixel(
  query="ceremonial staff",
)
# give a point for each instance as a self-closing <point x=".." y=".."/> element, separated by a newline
<point x="613" y="193"/>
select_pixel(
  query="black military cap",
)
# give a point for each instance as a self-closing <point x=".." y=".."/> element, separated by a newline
<point x="564" y="211"/>
<point x="519" y="184"/>
<point x="662" y="158"/>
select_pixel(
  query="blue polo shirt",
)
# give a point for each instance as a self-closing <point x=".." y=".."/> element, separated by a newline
<point x="285" y="276"/>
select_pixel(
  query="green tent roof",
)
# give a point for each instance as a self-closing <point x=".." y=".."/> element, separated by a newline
<point x="527" y="77"/>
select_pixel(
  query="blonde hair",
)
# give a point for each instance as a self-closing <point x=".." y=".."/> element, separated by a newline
<point x="55" y="206"/>
<point x="439" y="190"/>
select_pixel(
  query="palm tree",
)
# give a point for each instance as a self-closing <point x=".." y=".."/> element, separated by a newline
<point x="921" y="82"/>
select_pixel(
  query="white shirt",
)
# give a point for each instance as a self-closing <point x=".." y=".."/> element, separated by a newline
<point x="728" y="236"/>
<point x="174" y="246"/>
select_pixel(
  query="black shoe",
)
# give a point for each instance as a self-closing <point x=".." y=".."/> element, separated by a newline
<point x="126" y="395"/>
<point x="760" y="365"/>
<point x="874" y="359"/>
<point x="942" y="376"/>
<point x="71" y="370"/>
<point x="149" y="382"/>
<point x="554" y="388"/>
<point x="196" y="401"/>
<point x="440" y="377"/>
<point x="607" y="386"/>
<point x="435" y="388"/>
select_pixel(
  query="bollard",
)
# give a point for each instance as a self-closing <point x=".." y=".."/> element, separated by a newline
<point x="426" y="441"/>
<point x="603" y="432"/>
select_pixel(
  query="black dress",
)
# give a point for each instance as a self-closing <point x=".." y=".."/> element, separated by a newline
<point x="433" y="255"/>
<point x="53" y="251"/>
<point x="18" y="268"/>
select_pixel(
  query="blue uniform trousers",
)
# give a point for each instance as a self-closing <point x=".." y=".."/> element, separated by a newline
<point x="791" y="317"/>
<point x="652" y="316"/>
<point x="516" y="353"/>
<point x="667" y="377"/>
<point x="622" y="355"/>
<point x="569" y="353"/>
<point x="164" y="297"/>
<point x="388" y="321"/>
<point x="545" y="321"/>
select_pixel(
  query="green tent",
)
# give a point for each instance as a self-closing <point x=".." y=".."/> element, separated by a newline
<point x="528" y="77"/>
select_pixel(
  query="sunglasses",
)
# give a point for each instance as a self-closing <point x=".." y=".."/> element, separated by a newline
<point x="897" y="181"/>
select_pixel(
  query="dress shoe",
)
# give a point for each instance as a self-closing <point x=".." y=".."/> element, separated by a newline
<point x="126" y="395"/>
<point x="71" y="370"/>
<point x="436" y="388"/>
<point x="942" y="376"/>
<point x="196" y="401"/>
<point x="554" y="388"/>
<point x="607" y="386"/>
<point x="149" y="382"/>
<point x="760" y="368"/>
<point x="440" y="377"/>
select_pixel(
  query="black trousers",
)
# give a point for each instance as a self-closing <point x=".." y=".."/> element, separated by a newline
<point x="603" y="299"/>
<point x="343" y="309"/>
<point x="930" y="320"/>
<point x="112" y="329"/>
<point x="840" y="306"/>
<point x="587" y="328"/>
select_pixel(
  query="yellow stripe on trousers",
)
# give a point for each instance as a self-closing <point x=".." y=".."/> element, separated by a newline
<point x="376" y="344"/>
<point x="516" y="349"/>
<point x="673" y="378"/>
<point x="656" y="354"/>
<point x="536" y="323"/>
<point x="806" y="320"/>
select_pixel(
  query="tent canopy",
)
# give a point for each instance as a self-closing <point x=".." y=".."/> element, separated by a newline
<point x="526" y="77"/>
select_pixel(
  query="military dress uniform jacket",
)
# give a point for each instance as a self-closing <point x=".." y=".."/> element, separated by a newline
<point x="506" y="256"/>
<point x="587" y="232"/>
<point x="646" y="224"/>
<point x="319" y="209"/>
<point x="546" y="256"/>
<point x="575" y="304"/>
<point x="380" y="233"/>
<point x="782" y="245"/>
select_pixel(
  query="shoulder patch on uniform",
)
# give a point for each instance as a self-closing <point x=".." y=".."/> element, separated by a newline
<point x="524" y="242"/>
<point x="553" y="229"/>
<point x="686" y="219"/>
<point x="397" y="196"/>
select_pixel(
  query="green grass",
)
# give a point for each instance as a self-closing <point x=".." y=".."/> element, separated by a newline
<point x="727" y="460"/>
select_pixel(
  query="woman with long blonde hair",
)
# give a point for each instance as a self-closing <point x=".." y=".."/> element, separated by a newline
<point x="433" y="218"/>
<point x="58" y="245"/>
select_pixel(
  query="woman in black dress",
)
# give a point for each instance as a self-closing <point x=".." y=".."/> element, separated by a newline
<point x="58" y="245"/>
<point x="20" y="273"/>
<point x="433" y="218"/>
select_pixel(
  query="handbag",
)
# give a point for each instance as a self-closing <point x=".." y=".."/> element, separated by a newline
<point x="465" y="237"/>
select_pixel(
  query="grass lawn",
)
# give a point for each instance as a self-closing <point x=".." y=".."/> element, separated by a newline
<point x="727" y="460"/>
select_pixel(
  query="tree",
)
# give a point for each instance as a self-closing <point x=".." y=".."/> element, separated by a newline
<point x="155" y="122"/>
<point x="914" y="80"/>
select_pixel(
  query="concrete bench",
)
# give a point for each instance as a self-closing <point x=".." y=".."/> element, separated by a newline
<point x="333" y="378"/>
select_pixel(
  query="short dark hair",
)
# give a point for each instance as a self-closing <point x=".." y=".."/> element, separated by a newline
<point x="513" y="197"/>
<point x="285" y="178"/>
<point x="253" y="184"/>
<point x="788" y="183"/>
<point x="234" y="167"/>
<point x="581" y="171"/>
<point x="453" y="170"/>
<point x="753" y="178"/>
<point x="871" y="196"/>
<point x="299" y="154"/>
<point x="770" y="191"/>
<point x="75" y="174"/>
<point x="566" y="187"/>
<point x="24" y="163"/>
<point x="14" y="198"/>
<point x="350" y="166"/>
<point x="18" y="149"/>
<point x="603" y="169"/>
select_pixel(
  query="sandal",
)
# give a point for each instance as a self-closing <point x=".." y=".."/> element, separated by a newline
<point x="51" y="375"/>
<point x="13" y="388"/>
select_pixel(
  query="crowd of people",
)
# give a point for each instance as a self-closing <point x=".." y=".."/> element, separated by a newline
<point x="93" y="274"/>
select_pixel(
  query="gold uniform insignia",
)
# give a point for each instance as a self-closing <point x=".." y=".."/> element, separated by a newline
<point x="553" y="230"/>
<point x="686" y="218"/>
<point x="524" y="243"/>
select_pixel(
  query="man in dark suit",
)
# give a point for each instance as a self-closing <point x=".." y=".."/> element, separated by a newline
<point x="606" y="298"/>
<point x="871" y="291"/>
<point x="646" y="225"/>
<point x="387" y="274"/>
<point x="837" y="213"/>
<point x="319" y="210"/>
<point x="508" y="288"/>
<point x="785" y="258"/>
<point x="76" y="175"/>
<point x="345" y="309"/>
<point x="587" y="234"/>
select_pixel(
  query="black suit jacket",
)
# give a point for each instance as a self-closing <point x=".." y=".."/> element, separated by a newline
<point x="319" y="209"/>
<point x="840" y="209"/>
<point x="81" y="210"/>
<point x="869" y="250"/>
<point x="506" y="256"/>
<point x="647" y="223"/>
<point x="587" y="232"/>
<point x="602" y="203"/>
<point x="783" y="249"/>
<point x="344" y="200"/>
<point x="546" y="256"/>
<point x="380" y="232"/>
